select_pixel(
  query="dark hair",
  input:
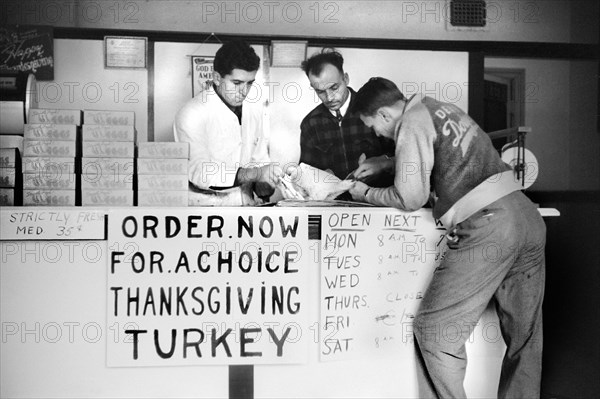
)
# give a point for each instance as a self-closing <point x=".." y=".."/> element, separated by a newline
<point x="314" y="65"/>
<point x="236" y="55"/>
<point x="376" y="93"/>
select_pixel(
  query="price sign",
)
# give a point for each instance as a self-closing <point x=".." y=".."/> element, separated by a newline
<point x="51" y="224"/>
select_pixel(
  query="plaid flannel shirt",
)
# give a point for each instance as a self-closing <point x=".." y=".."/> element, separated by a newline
<point x="325" y="144"/>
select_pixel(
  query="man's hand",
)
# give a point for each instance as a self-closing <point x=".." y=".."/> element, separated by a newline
<point x="270" y="174"/>
<point x="265" y="178"/>
<point x="359" y="191"/>
<point x="370" y="168"/>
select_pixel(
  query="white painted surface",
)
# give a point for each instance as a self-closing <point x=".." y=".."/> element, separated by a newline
<point x="54" y="334"/>
<point x="81" y="82"/>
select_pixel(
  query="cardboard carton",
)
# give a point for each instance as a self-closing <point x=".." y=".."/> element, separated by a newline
<point x="105" y="197"/>
<point x="162" y="198"/>
<point x="59" y="116"/>
<point x="163" y="150"/>
<point x="48" y="197"/>
<point x="155" y="166"/>
<point x="163" y="182"/>
<point x="52" y="148"/>
<point x="107" y="149"/>
<point x="50" y="131"/>
<point x="99" y="117"/>
<point x="108" y="133"/>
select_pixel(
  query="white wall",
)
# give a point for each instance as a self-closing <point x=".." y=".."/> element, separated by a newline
<point x="561" y="97"/>
<point x="287" y="108"/>
<point x="560" y="106"/>
<point x="53" y="308"/>
<point x="82" y="82"/>
<point x="173" y="81"/>
<point x="288" y="91"/>
<point x="547" y="113"/>
<point x="509" y="20"/>
<point x="558" y="21"/>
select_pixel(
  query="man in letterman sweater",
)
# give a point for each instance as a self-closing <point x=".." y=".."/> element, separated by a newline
<point x="496" y="238"/>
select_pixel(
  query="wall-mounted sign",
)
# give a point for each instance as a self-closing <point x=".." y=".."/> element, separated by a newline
<point x="288" y="54"/>
<point x="27" y="49"/>
<point x="125" y="52"/>
<point x="202" y="71"/>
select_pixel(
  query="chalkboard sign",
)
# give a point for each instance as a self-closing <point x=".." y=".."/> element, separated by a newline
<point x="27" y="48"/>
<point x="375" y="267"/>
<point x="52" y="223"/>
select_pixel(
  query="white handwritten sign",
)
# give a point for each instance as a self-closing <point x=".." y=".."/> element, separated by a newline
<point x="51" y="224"/>
<point x="375" y="267"/>
<point x="207" y="286"/>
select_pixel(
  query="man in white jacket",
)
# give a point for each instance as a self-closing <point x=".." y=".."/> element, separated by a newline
<point x="228" y="147"/>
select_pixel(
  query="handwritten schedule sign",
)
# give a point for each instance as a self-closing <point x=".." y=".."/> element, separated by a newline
<point x="53" y="223"/>
<point x="375" y="267"/>
<point x="204" y="286"/>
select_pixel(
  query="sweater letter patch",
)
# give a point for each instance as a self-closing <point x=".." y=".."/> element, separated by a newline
<point x="463" y="131"/>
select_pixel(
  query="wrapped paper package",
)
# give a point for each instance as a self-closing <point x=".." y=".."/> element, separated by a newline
<point x="310" y="183"/>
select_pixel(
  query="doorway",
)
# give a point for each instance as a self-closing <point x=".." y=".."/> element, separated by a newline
<point x="503" y="99"/>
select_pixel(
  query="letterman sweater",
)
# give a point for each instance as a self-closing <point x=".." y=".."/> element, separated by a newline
<point x="442" y="154"/>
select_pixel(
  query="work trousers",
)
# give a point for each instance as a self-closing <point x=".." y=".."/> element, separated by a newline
<point x="496" y="255"/>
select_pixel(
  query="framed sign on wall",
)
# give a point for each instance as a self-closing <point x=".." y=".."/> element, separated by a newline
<point x="125" y="52"/>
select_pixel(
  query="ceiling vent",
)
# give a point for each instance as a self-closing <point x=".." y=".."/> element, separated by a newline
<point x="466" y="15"/>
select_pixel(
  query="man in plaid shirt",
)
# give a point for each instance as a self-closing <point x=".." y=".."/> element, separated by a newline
<point x="332" y="136"/>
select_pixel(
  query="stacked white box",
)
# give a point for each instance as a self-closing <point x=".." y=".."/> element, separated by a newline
<point x="49" y="131"/>
<point x="110" y="118"/>
<point x="108" y="153"/>
<point x="51" y="150"/>
<point x="55" y="116"/>
<point x="9" y="174"/>
<point x="49" y="197"/>
<point x="125" y="133"/>
<point x="162" y="174"/>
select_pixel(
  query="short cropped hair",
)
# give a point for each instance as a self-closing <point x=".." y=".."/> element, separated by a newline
<point x="314" y="65"/>
<point x="376" y="93"/>
<point x="236" y="55"/>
